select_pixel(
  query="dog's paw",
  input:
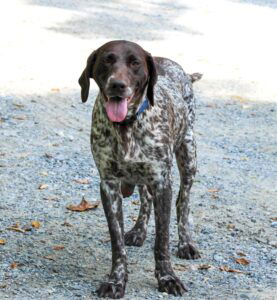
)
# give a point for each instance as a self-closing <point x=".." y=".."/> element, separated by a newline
<point x="135" y="237"/>
<point x="171" y="284"/>
<point x="111" y="290"/>
<point x="188" y="251"/>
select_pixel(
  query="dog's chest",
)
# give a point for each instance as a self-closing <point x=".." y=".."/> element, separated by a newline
<point x="137" y="153"/>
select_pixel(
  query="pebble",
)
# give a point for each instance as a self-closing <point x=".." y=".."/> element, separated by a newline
<point x="273" y="224"/>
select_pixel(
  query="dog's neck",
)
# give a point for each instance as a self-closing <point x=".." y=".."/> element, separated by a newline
<point x="123" y="134"/>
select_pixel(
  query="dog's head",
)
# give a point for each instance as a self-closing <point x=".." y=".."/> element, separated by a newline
<point x="122" y="70"/>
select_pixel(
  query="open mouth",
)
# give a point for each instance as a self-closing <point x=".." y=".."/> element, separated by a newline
<point x="117" y="107"/>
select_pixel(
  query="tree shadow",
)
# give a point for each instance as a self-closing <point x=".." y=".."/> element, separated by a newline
<point x="115" y="20"/>
<point x="267" y="3"/>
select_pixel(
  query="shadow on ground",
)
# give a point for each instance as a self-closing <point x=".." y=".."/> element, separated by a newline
<point x="116" y="20"/>
<point x="268" y="3"/>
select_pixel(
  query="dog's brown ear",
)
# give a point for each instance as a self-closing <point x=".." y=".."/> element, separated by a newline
<point x="152" y="72"/>
<point x="86" y="75"/>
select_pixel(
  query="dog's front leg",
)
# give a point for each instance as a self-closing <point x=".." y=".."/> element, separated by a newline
<point x="112" y="203"/>
<point x="167" y="280"/>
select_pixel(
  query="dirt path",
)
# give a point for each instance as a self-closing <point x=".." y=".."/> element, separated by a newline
<point x="44" y="139"/>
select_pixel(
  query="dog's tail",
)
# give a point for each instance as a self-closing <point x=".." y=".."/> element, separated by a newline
<point x="195" y="77"/>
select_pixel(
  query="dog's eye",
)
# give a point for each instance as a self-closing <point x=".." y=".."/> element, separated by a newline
<point x="109" y="59"/>
<point x="135" y="63"/>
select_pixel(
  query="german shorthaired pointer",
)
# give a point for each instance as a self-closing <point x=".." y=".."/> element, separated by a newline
<point x="143" y="115"/>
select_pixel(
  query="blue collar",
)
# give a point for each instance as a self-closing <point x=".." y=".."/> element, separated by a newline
<point x="142" y="108"/>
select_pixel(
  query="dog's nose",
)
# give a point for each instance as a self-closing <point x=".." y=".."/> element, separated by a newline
<point x="117" y="85"/>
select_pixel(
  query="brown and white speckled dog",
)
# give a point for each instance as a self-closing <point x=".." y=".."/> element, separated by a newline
<point x="143" y="115"/>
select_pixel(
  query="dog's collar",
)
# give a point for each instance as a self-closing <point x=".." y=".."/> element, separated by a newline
<point x="142" y="108"/>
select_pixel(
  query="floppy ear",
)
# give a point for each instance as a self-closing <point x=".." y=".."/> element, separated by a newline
<point x="152" y="79"/>
<point x="86" y="75"/>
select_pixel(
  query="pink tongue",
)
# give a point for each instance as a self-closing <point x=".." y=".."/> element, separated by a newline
<point x="117" y="110"/>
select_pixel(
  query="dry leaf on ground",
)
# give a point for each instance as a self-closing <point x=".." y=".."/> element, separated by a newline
<point x="48" y="155"/>
<point x="50" y="257"/>
<point x="213" y="190"/>
<point x="82" y="181"/>
<point x="42" y="186"/>
<point x="16" y="227"/>
<point x="18" y="105"/>
<point x="58" y="247"/>
<point x="134" y="218"/>
<point x="55" y="90"/>
<point x="51" y="198"/>
<point x="20" y="118"/>
<point x="227" y="269"/>
<point x="231" y="226"/>
<point x="180" y="267"/>
<point x="35" y="224"/>
<point x="241" y="253"/>
<point x="83" y="205"/>
<point x="14" y="265"/>
<point x="242" y="261"/>
<point x="67" y="224"/>
<point x="2" y="242"/>
<point x="205" y="267"/>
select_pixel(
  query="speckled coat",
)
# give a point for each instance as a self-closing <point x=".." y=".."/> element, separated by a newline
<point x="141" y="154"/>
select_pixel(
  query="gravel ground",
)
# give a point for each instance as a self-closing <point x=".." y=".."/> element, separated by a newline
<point x="44" y="139"/>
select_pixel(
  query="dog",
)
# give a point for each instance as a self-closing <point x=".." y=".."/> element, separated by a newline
<point x="143" y="115"/>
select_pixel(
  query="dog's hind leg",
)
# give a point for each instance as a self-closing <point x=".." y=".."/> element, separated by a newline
<point x="137" y="235"/>
<point x="186" y="160"/>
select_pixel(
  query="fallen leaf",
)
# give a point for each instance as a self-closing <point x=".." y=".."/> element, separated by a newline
<point x="55" y="90"/>
<point x="44" y="173"/>
<point x="83" y="205"/>
<point x="18" y="105"/>
<point x="180" y="267"/>
<point x="205" y="267"/>
<point x="55" y="145"/>
<point x="58" y="247"/>
<point x="134" y="219"/>
<point x="48" y="155"/>
<point x="244" y="158"/>
<point x="240" y="98"/>
<point x="211" y="105"/>
<point x="227" y="269"/>
<point x="241" y="253"/>
<point x="82" y="181"/>
<point x="67" y="224"/>
<point x="51" y="198"/>
<point x="27" y="228"/>
<point x="50" y="257"/>
<point x="42" y="186"/>
<point x="242" y="261"/>
<point x="2" y="286"/>
<point x="213" y="190"/>
<point x="136" y="202"/>
<point x="2" y="242"/>
<point x="20" y="118"/>
<point x="231" y="226"/>
<point x="148" y="270"/>
<point x="16" y="227"/>
<point x="14" y="265"/>
<point x="35" y="224"/>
